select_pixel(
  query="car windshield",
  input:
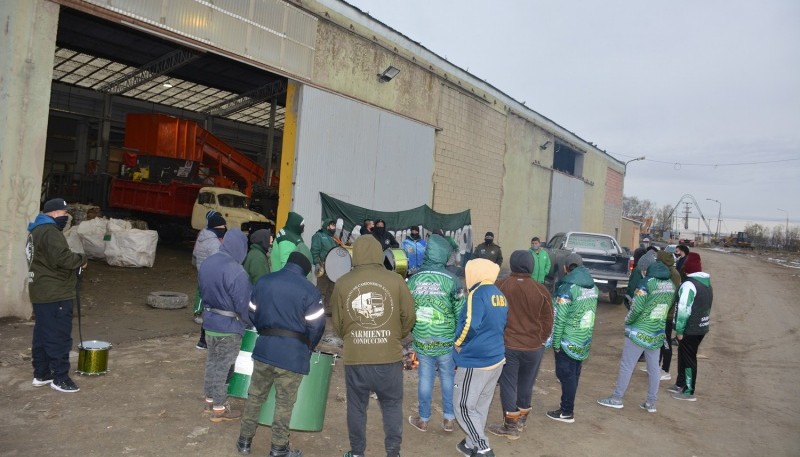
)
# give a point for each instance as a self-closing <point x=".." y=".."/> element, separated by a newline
<point x="232" y="201"/>
<point x="585" y="241"/>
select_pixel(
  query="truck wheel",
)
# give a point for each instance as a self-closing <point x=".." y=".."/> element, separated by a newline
<point x="167" y="300"/>
<point x="615" y="297"/>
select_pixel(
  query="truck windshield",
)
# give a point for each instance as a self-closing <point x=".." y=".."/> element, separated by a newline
<point x="596" y="242"/>
<point x="232" y="201"/>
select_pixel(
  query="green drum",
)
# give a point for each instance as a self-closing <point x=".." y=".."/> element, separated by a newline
<point x="243" y="369"/>
<point x="308" y="413"/>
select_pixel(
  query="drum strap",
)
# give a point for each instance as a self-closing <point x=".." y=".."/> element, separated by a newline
<point x="282" y="332"/>
<point x="222" y="312"/>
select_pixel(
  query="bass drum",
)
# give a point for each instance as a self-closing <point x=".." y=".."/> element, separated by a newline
<point x="396" y="260"/>
<point x="338" y="262"/>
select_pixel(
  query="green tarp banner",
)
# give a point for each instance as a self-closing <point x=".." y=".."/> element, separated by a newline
<point x="457" y="225"/>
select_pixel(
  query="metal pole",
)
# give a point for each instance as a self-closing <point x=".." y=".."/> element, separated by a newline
<point x="719" y="214"/>
<point x="786" y="234"/>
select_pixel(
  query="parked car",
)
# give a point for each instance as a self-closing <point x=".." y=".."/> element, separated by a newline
<point x="605" y="259"/>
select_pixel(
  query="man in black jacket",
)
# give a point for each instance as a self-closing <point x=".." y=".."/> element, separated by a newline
<point x="288" y="313"/>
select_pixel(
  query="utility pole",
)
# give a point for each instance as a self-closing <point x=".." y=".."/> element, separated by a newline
<point x="786" y="234"/>
<point x="719" y="215"/>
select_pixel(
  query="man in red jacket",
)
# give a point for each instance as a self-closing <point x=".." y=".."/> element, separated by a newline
<point x="530" y="321"/>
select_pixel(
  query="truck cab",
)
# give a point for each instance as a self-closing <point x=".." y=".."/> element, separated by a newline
<point x="232" y="204"/>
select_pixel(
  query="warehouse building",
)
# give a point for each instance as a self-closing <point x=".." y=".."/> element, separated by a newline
<point x="321" y="95"/>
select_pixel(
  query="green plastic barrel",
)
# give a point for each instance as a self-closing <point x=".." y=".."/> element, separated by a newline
<point x="243" y="368"/>
<point x="308" y="413"/>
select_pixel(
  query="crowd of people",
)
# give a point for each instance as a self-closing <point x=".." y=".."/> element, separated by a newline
<point x="472" y="333"/>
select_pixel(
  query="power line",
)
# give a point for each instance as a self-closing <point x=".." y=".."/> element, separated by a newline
<point x="679" y="165"/>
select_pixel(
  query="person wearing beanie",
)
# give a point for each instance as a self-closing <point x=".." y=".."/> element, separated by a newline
<point x="414" y="247"/>
<point x="287" y="311"/>
<point x="225" y="288"/>
<point x="207" y="243"/>
<point x="644" y="334"/>
<point x="321" y="244"/>
<point x="384" y="237"/>
<point x="692" y="319"/>
<point x="52" y="268"/>
<point x="530" y="320"/>
<point x="637" y="274"/>
<point x="479" y="354"/>
<point x="438" y="300"/>
<point x="488" y="250"/>
<point x="372" y="312"/>
<point x="288" y="240"/>
<point x="256" y="264"/>
<point x="575" y="306"/>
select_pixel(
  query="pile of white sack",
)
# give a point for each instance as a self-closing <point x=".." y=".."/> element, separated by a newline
<point x="115" y="241"/>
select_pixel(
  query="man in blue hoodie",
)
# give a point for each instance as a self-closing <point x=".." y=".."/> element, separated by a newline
<point x="225" y="288"/>
<point x="479" y="354"/>
<point x="52" y="288"/>
<point x="288" y="313"/>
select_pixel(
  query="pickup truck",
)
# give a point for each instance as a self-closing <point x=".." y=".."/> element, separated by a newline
<point x="606" y="261"/>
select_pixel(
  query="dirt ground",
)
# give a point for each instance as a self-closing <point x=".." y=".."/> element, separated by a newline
<point x="150" y="402"/>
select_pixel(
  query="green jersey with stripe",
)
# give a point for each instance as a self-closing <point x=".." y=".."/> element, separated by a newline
<point x="575" y="305"/>
<point x="645" y="321"/>
<point x="437" y="302"/>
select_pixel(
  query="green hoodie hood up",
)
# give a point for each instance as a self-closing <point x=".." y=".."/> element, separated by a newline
<point x="580" y="276"/>
<point x="437" y="253"/>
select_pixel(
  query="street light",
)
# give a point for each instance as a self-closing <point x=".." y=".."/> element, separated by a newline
<point x="719" y="215"/>
<point x="632" y="160"/>
<point x="786" y="235"/>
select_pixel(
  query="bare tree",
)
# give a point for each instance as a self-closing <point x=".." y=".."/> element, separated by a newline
<point x="663" y="218"/>
<point x="635" y="208"/>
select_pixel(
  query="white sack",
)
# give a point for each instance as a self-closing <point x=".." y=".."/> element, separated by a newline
<point x="74" y="240"/>
<point x="131" y="248"/>
<point x="92" y="233"/>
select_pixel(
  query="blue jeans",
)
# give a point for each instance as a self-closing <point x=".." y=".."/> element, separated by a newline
<point x="427" y="374"/>
<point x="517" y="379"/>
<point x="568" y="372"/>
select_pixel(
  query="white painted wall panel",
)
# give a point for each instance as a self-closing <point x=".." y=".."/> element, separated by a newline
<point x="566" y="204"/>
<point x="359" y="154"/>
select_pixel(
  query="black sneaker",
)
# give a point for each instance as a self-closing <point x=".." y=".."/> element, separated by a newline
<point x="560" y="416"/>
<point x="43" y="381"/>
<point x="65" y="385"/>
<point x="201" y="345"/>
<point x="462" y="448"/>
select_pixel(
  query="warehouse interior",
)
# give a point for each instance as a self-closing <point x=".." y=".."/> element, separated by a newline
<point x="104" y="70"/>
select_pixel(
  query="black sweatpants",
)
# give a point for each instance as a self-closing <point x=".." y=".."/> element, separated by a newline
<point x="687" y="362"/>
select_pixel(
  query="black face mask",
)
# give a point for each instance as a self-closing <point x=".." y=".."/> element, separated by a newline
<point x="220" y="232"/>
<point x="380" y="231"/>
<point x="61" y="221"/>
<point x="414" y="236"/>
<point x="488" y="240"/>
<point x="331" y="231"/>
<point x="302" y="228"/>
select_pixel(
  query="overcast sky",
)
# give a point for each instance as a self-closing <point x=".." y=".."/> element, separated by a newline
<point x="708" y="91"/>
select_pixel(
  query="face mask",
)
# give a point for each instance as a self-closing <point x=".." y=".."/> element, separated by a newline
<point x="220" y="232"/>
<point x="414" y="235"/>
<point x="331" y="231"/>
<point x="61" y="221"/>
<point x="536" y="247"/>
<point x="488" y="240"/>
<point x="302" y="227"/>
<point x="379" y="231"/>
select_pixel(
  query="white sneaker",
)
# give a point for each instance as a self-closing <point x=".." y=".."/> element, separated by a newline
<point x="644" y="368"/>
<point x="665" y="376"/>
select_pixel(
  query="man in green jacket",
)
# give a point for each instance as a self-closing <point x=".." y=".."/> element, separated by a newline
<point x="644" y="332"/>
<point x="256" y="264"/>
<point x="321" y="244"/>
<point x="575" y="306"/>
<point x="373" y="311"/>
<point x="288" y="240"/>
<point x="52" y="273"/>
<point x="541" y="260"/>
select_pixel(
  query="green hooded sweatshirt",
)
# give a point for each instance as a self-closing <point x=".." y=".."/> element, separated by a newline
<point x="575" y="306"/>
<point x="372" y="308"/>
<point x="437" y="300"/>
<point x="287" y="241"/>
<point x="645" y="321"/>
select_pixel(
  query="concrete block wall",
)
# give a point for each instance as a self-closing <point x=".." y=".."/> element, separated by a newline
<point x="468" y="162"/>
